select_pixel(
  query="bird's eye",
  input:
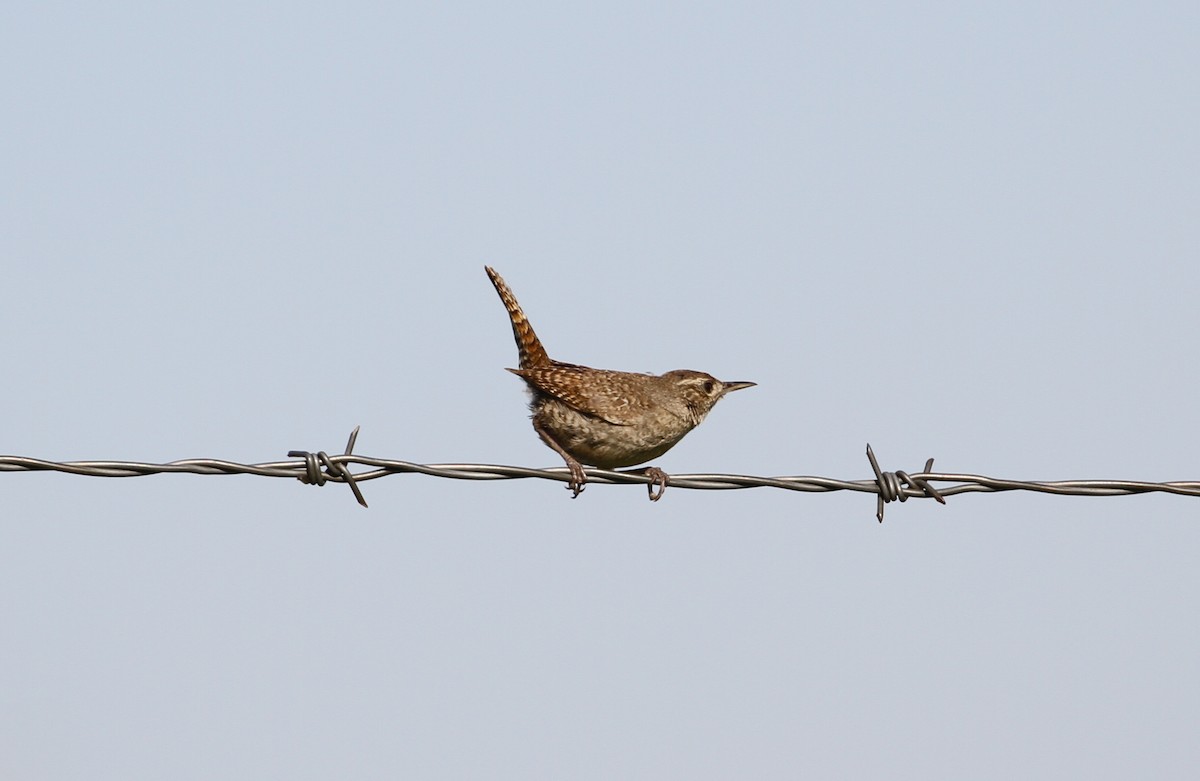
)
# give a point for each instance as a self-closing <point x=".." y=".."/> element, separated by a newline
<point x="708" y="386"/>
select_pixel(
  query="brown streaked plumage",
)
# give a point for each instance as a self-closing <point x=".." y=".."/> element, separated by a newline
<point x="604" y="418"/>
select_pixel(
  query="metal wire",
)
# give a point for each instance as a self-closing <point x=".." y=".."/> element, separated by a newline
<point x="319" y="468"/>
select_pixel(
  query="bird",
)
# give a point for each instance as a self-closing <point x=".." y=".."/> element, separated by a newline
<point x="604" y="418"/>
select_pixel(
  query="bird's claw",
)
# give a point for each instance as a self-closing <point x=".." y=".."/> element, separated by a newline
<point x="578" y="477"/>
<point x="658" y="479"/>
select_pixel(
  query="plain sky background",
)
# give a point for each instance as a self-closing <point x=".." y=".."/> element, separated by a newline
<point x="966" y="231"/>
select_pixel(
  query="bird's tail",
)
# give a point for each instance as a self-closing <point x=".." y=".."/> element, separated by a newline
<point x="529" y="347"/>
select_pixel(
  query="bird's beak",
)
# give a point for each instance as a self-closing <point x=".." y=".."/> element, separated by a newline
<point x="726" y="387"/>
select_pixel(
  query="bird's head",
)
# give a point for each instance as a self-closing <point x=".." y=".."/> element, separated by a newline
<point x="700" y="391"/>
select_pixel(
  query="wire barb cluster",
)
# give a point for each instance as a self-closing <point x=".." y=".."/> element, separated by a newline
<point x="314" y="461"/>
<point x="319" y="468"/>
<point x="892" y="484"/>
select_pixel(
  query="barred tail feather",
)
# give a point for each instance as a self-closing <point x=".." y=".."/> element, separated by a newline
<point x="529" y="347"/>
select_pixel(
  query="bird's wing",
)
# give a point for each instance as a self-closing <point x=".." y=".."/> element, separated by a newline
<point x="599" y="392"/>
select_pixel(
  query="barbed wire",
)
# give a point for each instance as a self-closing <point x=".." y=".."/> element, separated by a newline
<point x="319" y="468"/>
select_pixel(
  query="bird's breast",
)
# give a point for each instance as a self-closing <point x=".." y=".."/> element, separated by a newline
<point x="597" y="442"/>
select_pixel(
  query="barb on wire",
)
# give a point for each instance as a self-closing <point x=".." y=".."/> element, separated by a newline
<point x="890" y="488"/>
<point x="319" y="468"/>
<point x="314" y="461"/>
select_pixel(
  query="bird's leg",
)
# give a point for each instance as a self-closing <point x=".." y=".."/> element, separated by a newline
<point x="578" y="477"/>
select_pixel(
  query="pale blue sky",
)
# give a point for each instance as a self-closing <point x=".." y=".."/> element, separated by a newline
<point x="233" y="230"/>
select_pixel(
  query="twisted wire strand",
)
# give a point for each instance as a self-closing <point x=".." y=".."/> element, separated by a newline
<point x="319" y="468"/>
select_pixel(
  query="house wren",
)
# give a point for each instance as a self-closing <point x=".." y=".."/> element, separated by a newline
<point x="605" y="418"/>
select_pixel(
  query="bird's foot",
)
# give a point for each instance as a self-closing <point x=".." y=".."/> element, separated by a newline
<point x="659" y="478"/>
<point x="578" y="478"/>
